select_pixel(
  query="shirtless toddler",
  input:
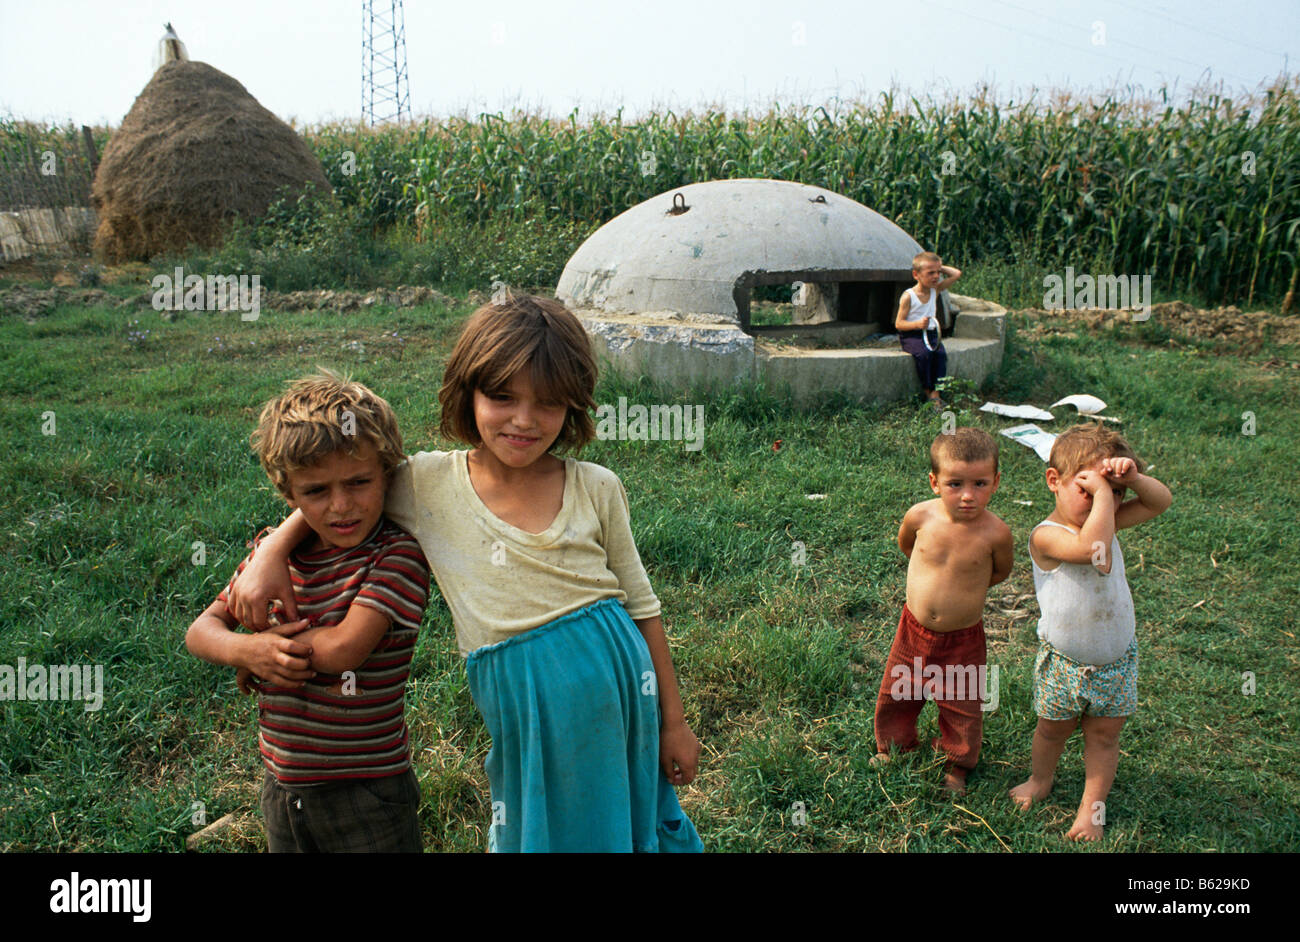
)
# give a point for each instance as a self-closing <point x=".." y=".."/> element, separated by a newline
<point x="956" y="550"/>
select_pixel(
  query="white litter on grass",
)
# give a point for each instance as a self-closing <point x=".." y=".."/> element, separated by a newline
<point x="1026" y="503"/>
<point x="1031" y="436"/>
<point x="1087" y="405"/>
<point x="815" y="496"/>
<point x="1018" y="412"/>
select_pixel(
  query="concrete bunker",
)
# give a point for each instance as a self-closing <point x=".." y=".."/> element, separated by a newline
<point x="667" y="289"/>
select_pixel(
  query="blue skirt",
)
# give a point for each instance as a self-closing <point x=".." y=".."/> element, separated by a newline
<point x="573" y="709"/>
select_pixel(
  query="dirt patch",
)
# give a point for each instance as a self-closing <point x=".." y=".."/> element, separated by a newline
<point x="31" y="303"/>
<point x="1247" y="329"/>
<point x="402" y="296"/>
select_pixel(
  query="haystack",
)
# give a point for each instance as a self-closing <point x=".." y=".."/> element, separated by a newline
<point x="195" y="151"/>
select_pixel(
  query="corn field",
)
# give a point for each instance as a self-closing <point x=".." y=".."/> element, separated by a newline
<point x="1203" y="195"/>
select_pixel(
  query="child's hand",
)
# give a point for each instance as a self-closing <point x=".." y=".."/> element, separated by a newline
<point x="244" y="676"/>
<point x="679" y="753"/>
<point x="289" y="628"/>
<point x="252" y="591"/>
<point x="1091" y="481"/>
<point x="1120" y="470"/>
<point x="277" y="659"/>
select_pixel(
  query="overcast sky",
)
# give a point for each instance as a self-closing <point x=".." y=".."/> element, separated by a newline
<point x="86" y="61"/>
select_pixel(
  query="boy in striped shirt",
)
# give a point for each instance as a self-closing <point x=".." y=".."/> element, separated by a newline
<point x="331" y="676"/>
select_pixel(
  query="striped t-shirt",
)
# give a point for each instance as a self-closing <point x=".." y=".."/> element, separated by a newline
<point x="319" y="733"/>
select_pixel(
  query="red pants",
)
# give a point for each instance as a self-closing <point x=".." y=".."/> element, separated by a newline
<point x="955" y="688"/>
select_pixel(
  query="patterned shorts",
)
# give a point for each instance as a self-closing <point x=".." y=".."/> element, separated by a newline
<point x="1065" y="689"/>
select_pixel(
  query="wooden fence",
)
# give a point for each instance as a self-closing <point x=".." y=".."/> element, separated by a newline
<point x="45" y="180"/>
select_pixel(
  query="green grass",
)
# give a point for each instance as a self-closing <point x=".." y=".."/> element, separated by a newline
<point x="779" y="664"/>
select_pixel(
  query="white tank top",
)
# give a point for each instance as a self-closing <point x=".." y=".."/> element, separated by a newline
<point x="1087" y="615"/>
<point x="917" y="310"/>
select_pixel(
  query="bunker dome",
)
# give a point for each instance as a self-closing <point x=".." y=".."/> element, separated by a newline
<point x="702" y="249"/>
<point x="665" y="289"/>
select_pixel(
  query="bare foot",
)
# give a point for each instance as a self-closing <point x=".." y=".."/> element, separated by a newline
<point x="1030" y="791"/>
<point x="1084" y="829"/>
<point x="880" y="758"/>
<point x="955" y="782"/>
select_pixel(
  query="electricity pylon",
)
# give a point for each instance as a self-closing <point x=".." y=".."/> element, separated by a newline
<point x="385" y="87"/>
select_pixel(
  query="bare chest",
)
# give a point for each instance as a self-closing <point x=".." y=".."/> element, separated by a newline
<point x="531" y="509"/>
<point x="952" y="550"/>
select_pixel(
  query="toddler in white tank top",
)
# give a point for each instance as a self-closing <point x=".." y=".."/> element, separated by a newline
<point x="1085" y="673"/>
<point x="1087" y="615"/>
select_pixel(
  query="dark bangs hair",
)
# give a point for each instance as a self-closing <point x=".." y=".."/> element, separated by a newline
<point x="521" y="332"/>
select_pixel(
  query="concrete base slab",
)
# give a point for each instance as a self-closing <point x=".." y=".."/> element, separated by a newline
<point x="685" y="352"/>
<point x="672" y="350"/>
<point x="869" y="375"/>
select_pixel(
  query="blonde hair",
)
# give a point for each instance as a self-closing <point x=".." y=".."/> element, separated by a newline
<point x="319" y="415"/>
<point x="921" y="257"/>
<point x="963" y="444"/>
<point x="1081" y="446"/>
<point x="518" y="332"/>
